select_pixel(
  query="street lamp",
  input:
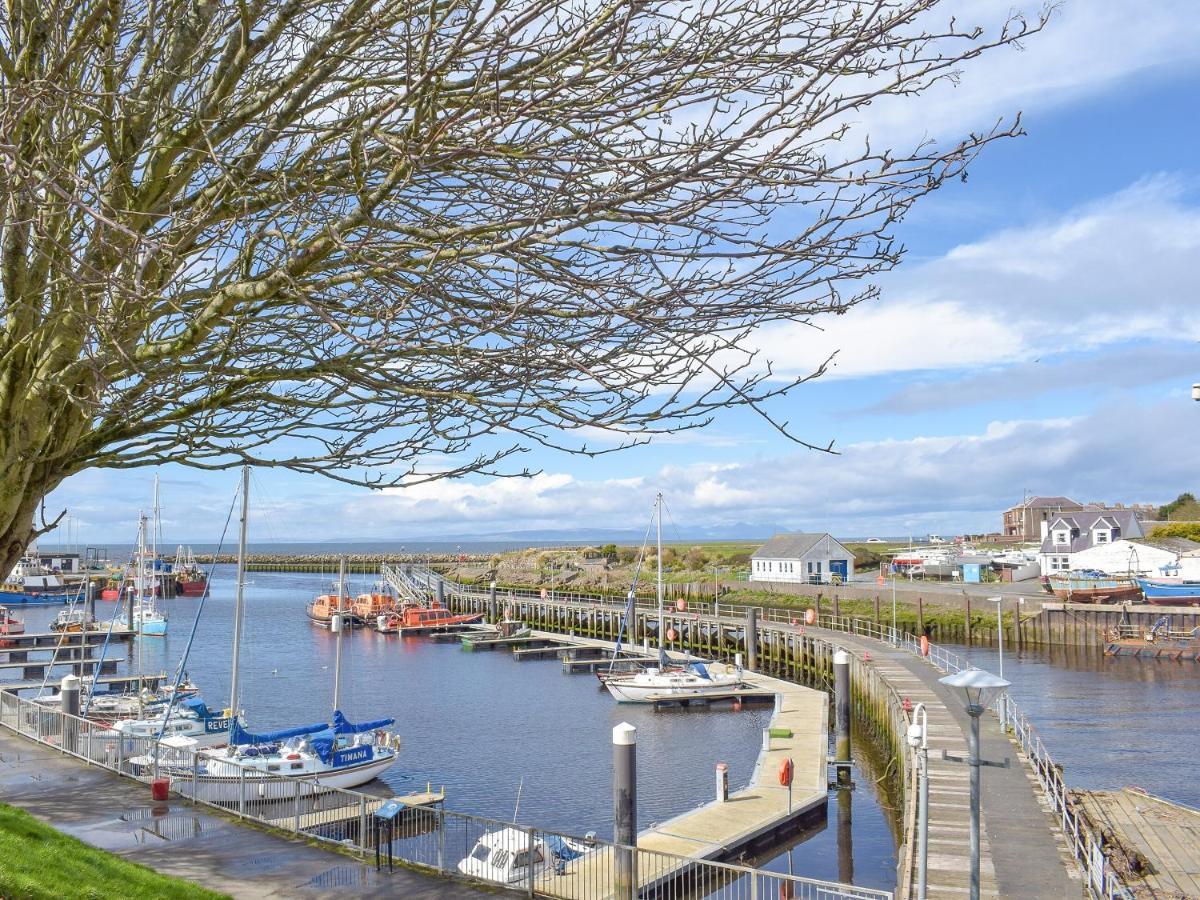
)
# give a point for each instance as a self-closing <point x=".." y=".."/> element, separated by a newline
<point x="999" y="601"/>
<point x="918" y="739"/>
<point x="893" y="603"/>
<point x="1196" y="391"/>
<point x="977" y="690"/>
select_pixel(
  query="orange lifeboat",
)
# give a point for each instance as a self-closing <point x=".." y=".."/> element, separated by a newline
<point x="321" y="610"/>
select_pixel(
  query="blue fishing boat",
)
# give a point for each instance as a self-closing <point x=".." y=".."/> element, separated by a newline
<point x="1170" y="591"/>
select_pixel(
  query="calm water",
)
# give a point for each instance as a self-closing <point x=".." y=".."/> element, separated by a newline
<point x="480" y="723"/>
<point x="1111" y="722"/>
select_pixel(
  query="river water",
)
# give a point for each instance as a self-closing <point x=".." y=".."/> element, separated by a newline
<point x="486" y="726"/>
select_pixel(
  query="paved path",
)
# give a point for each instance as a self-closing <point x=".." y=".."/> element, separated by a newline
<point x="186" y="841"/>
<point x="1022" y="854"/>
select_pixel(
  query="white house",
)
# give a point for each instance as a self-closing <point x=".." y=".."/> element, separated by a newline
<point x="1153" y="557"/>
<point x="803" y="559"/>
<point x="1070" y="534"/>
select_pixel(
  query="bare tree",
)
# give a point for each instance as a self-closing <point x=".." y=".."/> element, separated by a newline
<point x="358" y="237"/>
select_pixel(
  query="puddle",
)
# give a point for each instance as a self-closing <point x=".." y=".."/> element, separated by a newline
<point x="343" y="877"/>
<point x="254" y="864"/>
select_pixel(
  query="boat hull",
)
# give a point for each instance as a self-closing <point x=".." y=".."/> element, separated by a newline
<point x="257" y="786"/>
<point x="624" y="691"/>
<point x="191" y="588"/>
<point x="1168" y="593"/>
<point x="9" y="597"/>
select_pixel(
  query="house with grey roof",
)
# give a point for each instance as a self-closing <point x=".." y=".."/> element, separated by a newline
<point x="806" y="558"/>
<point x="1070" y="534"/>
<point x="1029" y="520"/>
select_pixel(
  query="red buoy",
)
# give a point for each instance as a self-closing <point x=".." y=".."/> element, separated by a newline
<point x="785" y="772"/>
<point x="924" y="645"/>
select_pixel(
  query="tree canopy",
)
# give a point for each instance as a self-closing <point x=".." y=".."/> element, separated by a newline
<point x="386" y="241"/>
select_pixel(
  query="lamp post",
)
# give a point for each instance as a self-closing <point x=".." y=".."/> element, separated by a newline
<point x="893" y="603"/>
<point x="918" y="739"/>
<point x="1196" y="392"/>
<point x="1003" y="710"/>
<point x="977" y="690"/>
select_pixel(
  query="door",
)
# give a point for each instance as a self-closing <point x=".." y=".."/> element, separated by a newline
<point x="839" y="570"/>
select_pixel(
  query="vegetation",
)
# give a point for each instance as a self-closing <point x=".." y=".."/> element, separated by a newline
<point x="1183" y="507"/>
<point x="37" y="862"/>
<point x="389" y="242"/>
<point x="1189" y="530"/>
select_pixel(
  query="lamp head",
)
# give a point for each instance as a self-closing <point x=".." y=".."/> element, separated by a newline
<point x="976" y="688"/>
<point x="1196" y="391"/>
<point x="916" y="735"/>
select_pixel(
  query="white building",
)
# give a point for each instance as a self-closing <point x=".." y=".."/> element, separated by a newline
<point x="802" y="559"/>
<point x="1070" y="534"/>
<point x="1152" y="557"/>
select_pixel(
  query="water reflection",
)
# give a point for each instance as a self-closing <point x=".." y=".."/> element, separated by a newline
<point x="1110" y="721"/>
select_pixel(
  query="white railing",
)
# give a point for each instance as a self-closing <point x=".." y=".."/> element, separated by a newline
<point x="433" y="838"/>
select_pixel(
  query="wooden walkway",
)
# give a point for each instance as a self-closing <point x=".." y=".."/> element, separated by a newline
<point x="1154" y="843"/>
<point x="1022" y="854"/>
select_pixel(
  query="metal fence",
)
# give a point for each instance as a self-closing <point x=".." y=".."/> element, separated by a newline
<point x="536" y="862"/>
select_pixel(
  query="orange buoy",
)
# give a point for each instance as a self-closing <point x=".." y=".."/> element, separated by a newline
<point x="671" y="634"/>
<point x="924" y="645"/>
<point x="681" y="604"/>
<point x="810" y="616"/>
<point x="786" y="770"/>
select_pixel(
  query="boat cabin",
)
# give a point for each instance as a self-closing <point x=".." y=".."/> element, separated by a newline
<point x="504" y="857"/>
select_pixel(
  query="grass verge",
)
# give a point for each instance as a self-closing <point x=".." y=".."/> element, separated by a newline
<point x="37" y="861"/>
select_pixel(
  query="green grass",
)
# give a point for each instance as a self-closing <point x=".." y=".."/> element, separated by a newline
<point x="36" y="861"/>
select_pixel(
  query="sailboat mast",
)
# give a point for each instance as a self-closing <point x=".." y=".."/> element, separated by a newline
<point x="238" y="605"/>
<point x="661" y="633"/>
<point x="139" y="623"/>
<point x="339" y="625"/>
<point x="154" y="543"/>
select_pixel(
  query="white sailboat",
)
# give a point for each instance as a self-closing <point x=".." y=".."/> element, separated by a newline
<point x="147" y="619"/>
<point x="666" y="682"/>
<point x="343" y="754"/>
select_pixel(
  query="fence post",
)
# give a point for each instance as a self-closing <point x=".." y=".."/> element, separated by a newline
<point x="529" y="858"/>
<point x="362" y="822"/>
<point x="441" y="845"/>
<point x="241" y="790"/>
<point x="296" y="807"/>
<point x="195" y="774"/>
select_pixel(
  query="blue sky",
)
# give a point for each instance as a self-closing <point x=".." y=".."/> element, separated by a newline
<point x="1040" y="335"/>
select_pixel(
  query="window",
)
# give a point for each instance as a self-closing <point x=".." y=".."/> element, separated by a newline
<point x="1060" y="537"/>
<point x="810" y="567"/>
<point x="481" y="852"/>
<point x="1101" y="537"/>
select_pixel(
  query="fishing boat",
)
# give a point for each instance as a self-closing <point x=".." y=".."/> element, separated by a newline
<point x="1093" y="586"/>
<point x="31" y="582"/>
<point x="507" y="855"/>
<point x="190" y="579"/>
<point x="414" y="619"/>
<point x="1170" y="591"/>
<point x="664" y="681"/>
<point x="9" y="624"/>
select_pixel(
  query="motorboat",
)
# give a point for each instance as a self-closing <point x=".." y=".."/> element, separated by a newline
<point x="148" y="620"/>
<point x="654" y="684"/>
<point x="415" y="619"/>
<point x="265" y="766"/>
<point x="32" y="582"/>
<point x="72" y="621"/>
<point x="323" y="608"/>
<point x="369" y="606"/>
<point x="507" y="855"/>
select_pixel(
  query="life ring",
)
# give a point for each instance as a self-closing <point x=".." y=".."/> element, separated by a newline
<point x="924" y="645"/>
<point x="786" y="770"/>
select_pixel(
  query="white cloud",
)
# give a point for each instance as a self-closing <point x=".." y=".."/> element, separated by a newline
<point x="1118" y="269"/>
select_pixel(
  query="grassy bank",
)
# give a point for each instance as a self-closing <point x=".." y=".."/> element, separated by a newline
<point x="36" y="861"/>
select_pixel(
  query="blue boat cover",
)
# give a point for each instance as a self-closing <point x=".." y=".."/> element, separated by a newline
<point x="561" y="849"/>
<point x="196" y="705"/>
<point x="323" y="743"/>
<point x="239" y="736"/>
<point x="699" y="669"/>
<point x="342" y="725"/>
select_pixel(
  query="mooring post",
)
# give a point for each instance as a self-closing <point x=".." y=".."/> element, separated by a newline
<point x="967" y="597"/>
<point x="722" y="782"/>
<point x="89" y="601"/>
<point x="752" y="638"/>
<point x="841" y="701"/>
<point x="845" y="837"/>
<point x="69" y="689"/>
<point x="624" y="740"/>
<point x="441" y="591"/>
<point x="492" y="602"/>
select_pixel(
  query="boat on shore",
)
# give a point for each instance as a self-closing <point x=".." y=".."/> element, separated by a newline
<point x="1093" y="586"/>
<point x="1170" y="591"/>
<point x="510" y="856"/>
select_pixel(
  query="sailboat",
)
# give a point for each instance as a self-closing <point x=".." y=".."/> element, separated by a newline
<point x="666" y="682"/>
<point x="147" y="620"/>
<point x="342" y="754"/>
